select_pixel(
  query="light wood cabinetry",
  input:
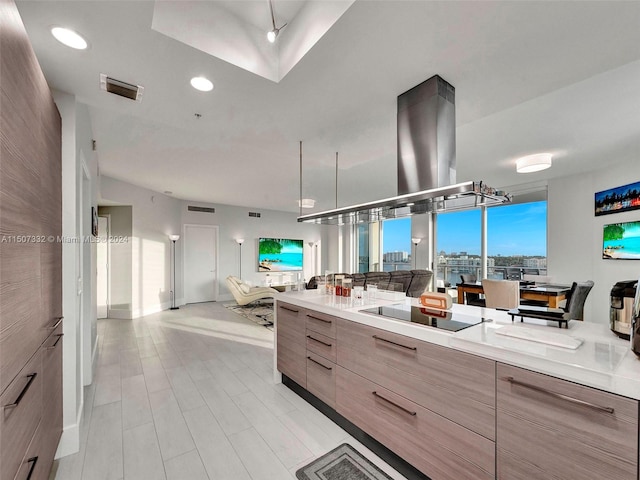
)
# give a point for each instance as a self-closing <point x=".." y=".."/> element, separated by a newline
<point x="321" y="355"/>
<point x="291" y="342"/>
<point x="551" y="428"/>
<point x="436" y="446"/>
<point x="456" y="385"/>
<point x="30" y="259"/>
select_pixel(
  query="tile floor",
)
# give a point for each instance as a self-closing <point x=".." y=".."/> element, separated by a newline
<point x="190" y="394"/>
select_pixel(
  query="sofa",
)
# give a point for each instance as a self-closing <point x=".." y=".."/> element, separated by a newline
<point x="245" y="293"/>
<point x="412" y="282"/>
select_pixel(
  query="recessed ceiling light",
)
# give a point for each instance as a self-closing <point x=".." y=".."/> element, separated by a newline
<point x="533" y="163"/>
<point x="202" y="84"/>
<point x="69" y="38"/>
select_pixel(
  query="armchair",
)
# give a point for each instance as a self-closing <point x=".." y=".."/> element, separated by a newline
<point x="245" y="294"/>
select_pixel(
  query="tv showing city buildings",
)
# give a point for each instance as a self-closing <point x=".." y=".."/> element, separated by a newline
<point x="280" y="255"/>
<point x="619" y="199"/>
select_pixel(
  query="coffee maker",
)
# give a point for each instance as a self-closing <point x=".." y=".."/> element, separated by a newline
<point x="621" y="311"/>
<point x="635" y="322"/>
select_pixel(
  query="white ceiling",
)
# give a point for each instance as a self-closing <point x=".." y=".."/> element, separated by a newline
<point x="529" y="76"/>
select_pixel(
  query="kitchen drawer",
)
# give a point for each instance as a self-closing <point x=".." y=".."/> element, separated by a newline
<point x="456" y="385"/>
<point x="19" y="422"/>
<point x="321" y="378"/>
<point x="551" y="428"/>
<point x="321" y="345"/>
<point x="441" y="449"/>
<point x="33" y="466"/>
<point x="321" y="323"/>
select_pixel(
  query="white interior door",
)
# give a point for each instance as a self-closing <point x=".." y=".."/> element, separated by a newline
<point x="102" y="267"/>
<point x="200" y="263"/>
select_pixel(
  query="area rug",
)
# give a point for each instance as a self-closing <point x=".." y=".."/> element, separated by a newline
<point x="258" y="312"/>
<point x="342" y="463"/>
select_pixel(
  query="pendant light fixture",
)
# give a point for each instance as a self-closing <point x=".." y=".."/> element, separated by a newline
<point x="273" y="34"/>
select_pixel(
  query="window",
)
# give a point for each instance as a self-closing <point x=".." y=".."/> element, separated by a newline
<point x="516" y="242"/>
<point x="396" y="245"/>
<point x="458" y="245"/>
<point x="363" y="248"/>
<point x="517" y="238"/>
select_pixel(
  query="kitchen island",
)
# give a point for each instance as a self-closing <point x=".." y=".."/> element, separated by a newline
<point x="473" y="404"/>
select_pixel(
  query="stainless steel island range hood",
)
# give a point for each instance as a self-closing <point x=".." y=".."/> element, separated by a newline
<point x="426" y="164"/>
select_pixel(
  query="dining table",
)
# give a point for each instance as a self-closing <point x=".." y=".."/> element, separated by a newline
<point x="549" y="293"/>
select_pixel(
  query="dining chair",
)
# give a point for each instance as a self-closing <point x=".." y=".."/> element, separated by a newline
<point x="504" y="294"/>
<point x="472" y="298"/>
<point x="572" y="310"/>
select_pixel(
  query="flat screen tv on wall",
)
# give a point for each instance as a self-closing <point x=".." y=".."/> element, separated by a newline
<point x="621" y="241"/>
<point x="279" y="255"/>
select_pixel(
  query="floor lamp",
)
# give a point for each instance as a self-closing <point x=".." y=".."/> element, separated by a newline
<point x="415" y="241"/>
<point x="240" y="241"/>
<point x="174" y="239"/>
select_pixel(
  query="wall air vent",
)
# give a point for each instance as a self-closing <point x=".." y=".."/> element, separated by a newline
<point x="193" y="208"/>
<point x="123" y="89"/>
<point x="254" y="214"/>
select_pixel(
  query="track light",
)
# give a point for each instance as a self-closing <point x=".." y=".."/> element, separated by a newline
<point x="273" y="34"/>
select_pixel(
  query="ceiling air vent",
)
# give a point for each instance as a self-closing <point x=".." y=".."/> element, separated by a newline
<point x="123" y="89"/>
<point x="254" y="214"/>
<point x="193" y="208"/>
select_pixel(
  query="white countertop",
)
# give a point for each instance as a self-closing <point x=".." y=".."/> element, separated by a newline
<point x="603" y="361"/>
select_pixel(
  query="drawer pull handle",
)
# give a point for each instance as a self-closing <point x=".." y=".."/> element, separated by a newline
<point x="60" y="335"/>
<point x="57" y="322"/>
<point x="31" y="378"/>
<point x="32" y="461"/>
<point x="289" y="309"/>
<point x="318" y="363"/>
<point x="318" y="318"/>
<point x="319" y="341"/>
<point x="513" y="381"/>
<point x="393" y="343"/>
<point x="377" y="395"/>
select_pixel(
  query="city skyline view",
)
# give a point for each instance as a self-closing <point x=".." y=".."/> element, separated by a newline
<point x="512" y="230"/>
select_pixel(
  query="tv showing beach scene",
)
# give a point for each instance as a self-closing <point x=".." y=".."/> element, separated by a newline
<point x="279" y="255"/>
<point x="621" y="241"/>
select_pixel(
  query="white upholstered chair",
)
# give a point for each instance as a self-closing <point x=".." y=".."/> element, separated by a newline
<point x="503" y="294"/>
<point x="245" y="293"/>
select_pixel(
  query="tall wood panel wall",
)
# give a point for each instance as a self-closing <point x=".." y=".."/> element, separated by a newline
<point x="30" y="259"/>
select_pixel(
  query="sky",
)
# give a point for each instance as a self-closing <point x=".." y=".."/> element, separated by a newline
<point x="519" y="229"/>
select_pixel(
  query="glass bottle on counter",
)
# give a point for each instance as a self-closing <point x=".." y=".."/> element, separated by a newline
<point x="338" y="286"/>
<point x="346" y="287"/>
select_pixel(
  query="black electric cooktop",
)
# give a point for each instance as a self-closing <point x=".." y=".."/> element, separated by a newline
<point x="442" y="319"/>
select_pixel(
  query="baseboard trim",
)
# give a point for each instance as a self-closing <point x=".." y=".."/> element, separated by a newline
<point x="70" y="438"/>
<point x="120" y="314"/>
<point x="401" y="465"/>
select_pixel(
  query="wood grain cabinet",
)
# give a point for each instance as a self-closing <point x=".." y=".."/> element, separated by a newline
<point x="321" y="356"/>
<point x="456" y="385"/>
<point x="438" y="447"/>
<point x="291" y="342"/>
<point x="549" y="428"/>
<point x="30" y="259"/>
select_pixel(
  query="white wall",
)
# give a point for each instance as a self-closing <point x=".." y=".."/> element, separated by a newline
<point x="575" y="234"/>
<point x="234" y="222"/>
<point x="78" y="268"/>
<point x="156" y="216"/>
